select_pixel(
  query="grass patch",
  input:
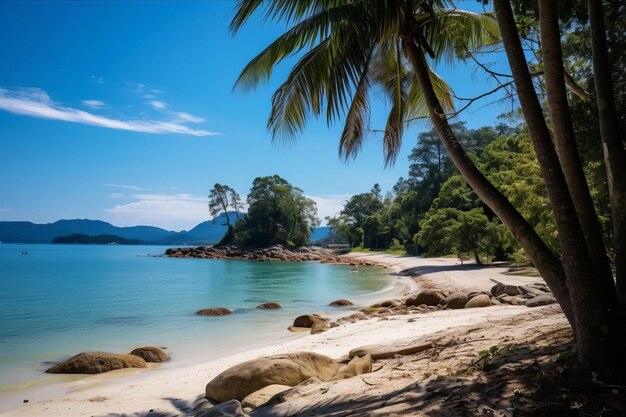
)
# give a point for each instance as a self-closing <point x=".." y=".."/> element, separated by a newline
<point x="360" y="249"/>
<point x="527" y="272"/>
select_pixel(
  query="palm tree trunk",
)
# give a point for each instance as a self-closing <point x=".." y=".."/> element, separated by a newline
<point x="546" y="262"/>
<point x="592" y="305"/>
<point x="614" y="153"/>
<point x="565" y="140"/>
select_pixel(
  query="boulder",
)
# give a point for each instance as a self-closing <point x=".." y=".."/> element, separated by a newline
<point x="500" y="289"/>
<point x="298" y="329"/>
<point x="341" y="303"/>
<point x="481" y="300"/>
<point x="260" y="397"/>
<point x="427" y="297"/>
<point x="307" y="320"/>
<point x="475" y="293"/>
<point x="226" y="409"/>
<point x="356" y="366"/>
<point x="289" y="369"/>
<point x="96" y="362"/>
<point x="311" y="386"/>
<point x="388" y="304"/>
<point x="514" y="301"/>
<point x="269" y="306"/>
<point x="319" y="327"/>
<point x="389" y="351"/>
<point x="150" y="354"/>
<point x="456" y="300"/>
<point x="540" y="300"/>
<point x="527" y="289"/>
<point x="218" y="311"/>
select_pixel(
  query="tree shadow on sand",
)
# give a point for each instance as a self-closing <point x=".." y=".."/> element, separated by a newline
<point x="518" y="381"/>
<point x="183" y="409"/>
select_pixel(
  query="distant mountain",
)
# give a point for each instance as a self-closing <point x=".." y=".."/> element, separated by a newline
<point x="97" y="240"/>
<point x="208" y="232"/>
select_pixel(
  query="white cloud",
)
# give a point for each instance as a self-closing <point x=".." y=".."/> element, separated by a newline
<point x="158" y="105"/>
<point x="94" y="104"/>
<point x="126" y="187"/>
<point x="186" y="117"/>
<point x="329" y="204"/>
<point x="170" y="211"/>
<point x="115" y="195"/>
<point x="98" y="80"/>
<point x="36" y="103"/>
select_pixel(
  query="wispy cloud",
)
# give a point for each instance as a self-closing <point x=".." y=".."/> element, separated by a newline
<point x="171" y="211"/>
<point x="97" y="80"/>
<point x="329" y="204"/>
<point x="126" y="187"/>
<point x="94" y="104"/>
<point x="158" y="105"/>
<point x="36" y="103"/>
<point x="4" y="209"/>
<point x="115" y="195"/>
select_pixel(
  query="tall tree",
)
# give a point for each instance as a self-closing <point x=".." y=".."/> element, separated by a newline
<point x="352" y="45"/>
<point x="219" y="202"/>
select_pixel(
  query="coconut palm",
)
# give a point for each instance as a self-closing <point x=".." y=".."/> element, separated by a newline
<point x="346" y="47"/>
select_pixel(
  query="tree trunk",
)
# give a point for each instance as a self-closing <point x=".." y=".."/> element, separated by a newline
<point x="614" y="153"/>
<point x="591" y="304"/>
<point x="565" y="140"/>
<point x="546" y="262"/>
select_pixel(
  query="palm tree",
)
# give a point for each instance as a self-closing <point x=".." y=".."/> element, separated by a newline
<point x="345" y="47"/>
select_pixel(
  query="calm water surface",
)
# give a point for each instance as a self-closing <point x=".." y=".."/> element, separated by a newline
<point x="63" y="299"/>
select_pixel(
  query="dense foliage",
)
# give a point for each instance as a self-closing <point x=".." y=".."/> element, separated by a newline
<point x="278" y="213"/>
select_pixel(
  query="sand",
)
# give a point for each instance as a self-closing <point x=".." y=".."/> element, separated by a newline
<point x="167" y="390"/>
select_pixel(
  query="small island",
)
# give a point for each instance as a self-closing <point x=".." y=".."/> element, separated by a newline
<point x="95" y="240"/>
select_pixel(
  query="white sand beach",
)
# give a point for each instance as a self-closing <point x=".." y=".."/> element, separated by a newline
<point x="167" y="390"/>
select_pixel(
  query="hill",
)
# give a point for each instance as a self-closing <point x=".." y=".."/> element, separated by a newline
<point x="207" y="232"/>
<point x="99" y="240"/>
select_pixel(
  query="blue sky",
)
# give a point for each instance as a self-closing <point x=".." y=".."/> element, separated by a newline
<point x="125" y="112"/>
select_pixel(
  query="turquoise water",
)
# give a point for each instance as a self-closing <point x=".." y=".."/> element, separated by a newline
<point x="63" y="299"/>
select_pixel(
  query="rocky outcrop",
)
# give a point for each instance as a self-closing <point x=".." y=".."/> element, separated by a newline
<point x="389" y="351"/>
<point x="481" y="300"/>
<point x="319" y="327"/>
<point x="225" y="409"/>
<point x="356" y="366"/>
<point x="308" y="320"/>
<point x="341" y="303"/>
<point x="426" y="297"/>
<point x="287" y="369"/>
<point x="213" y="312"/>
<point x="541" y="300"/>
<point x="456" y="300"/>
<point x="269" y="306"/>
<point x="96" y="362"/>
<point x="260" y="397"/>
<point x="272" y="253"/>
<point x="150" y="354"/>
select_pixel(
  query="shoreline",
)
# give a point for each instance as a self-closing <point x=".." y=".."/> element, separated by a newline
<point x="132" y="391"/>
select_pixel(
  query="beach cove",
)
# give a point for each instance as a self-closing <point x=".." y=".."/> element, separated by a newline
<point x="168" y="388"/>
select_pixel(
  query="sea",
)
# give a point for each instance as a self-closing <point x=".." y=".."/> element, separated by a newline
<point x="58" y="300"/>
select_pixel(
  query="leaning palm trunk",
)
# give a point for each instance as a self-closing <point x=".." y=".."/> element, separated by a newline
<point x="565" y="141"/>
<point x="545" y="261"/>
<point x="592" y="305"/>
<point x="613" y="147"/>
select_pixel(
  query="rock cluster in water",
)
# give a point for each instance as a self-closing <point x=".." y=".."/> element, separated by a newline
<point x="272" y="253"/>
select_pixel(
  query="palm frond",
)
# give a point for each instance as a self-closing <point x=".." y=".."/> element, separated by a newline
<point x="453" y="32"/>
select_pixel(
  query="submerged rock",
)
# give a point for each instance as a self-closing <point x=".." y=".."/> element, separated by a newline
<point x="341" y="303"/>
<point x="289" y="369"/>
<point x="269" y="306"/>
<point x="219" y="311"/>
<point x="96" y="362"/>
<point x="150" y="354"/>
